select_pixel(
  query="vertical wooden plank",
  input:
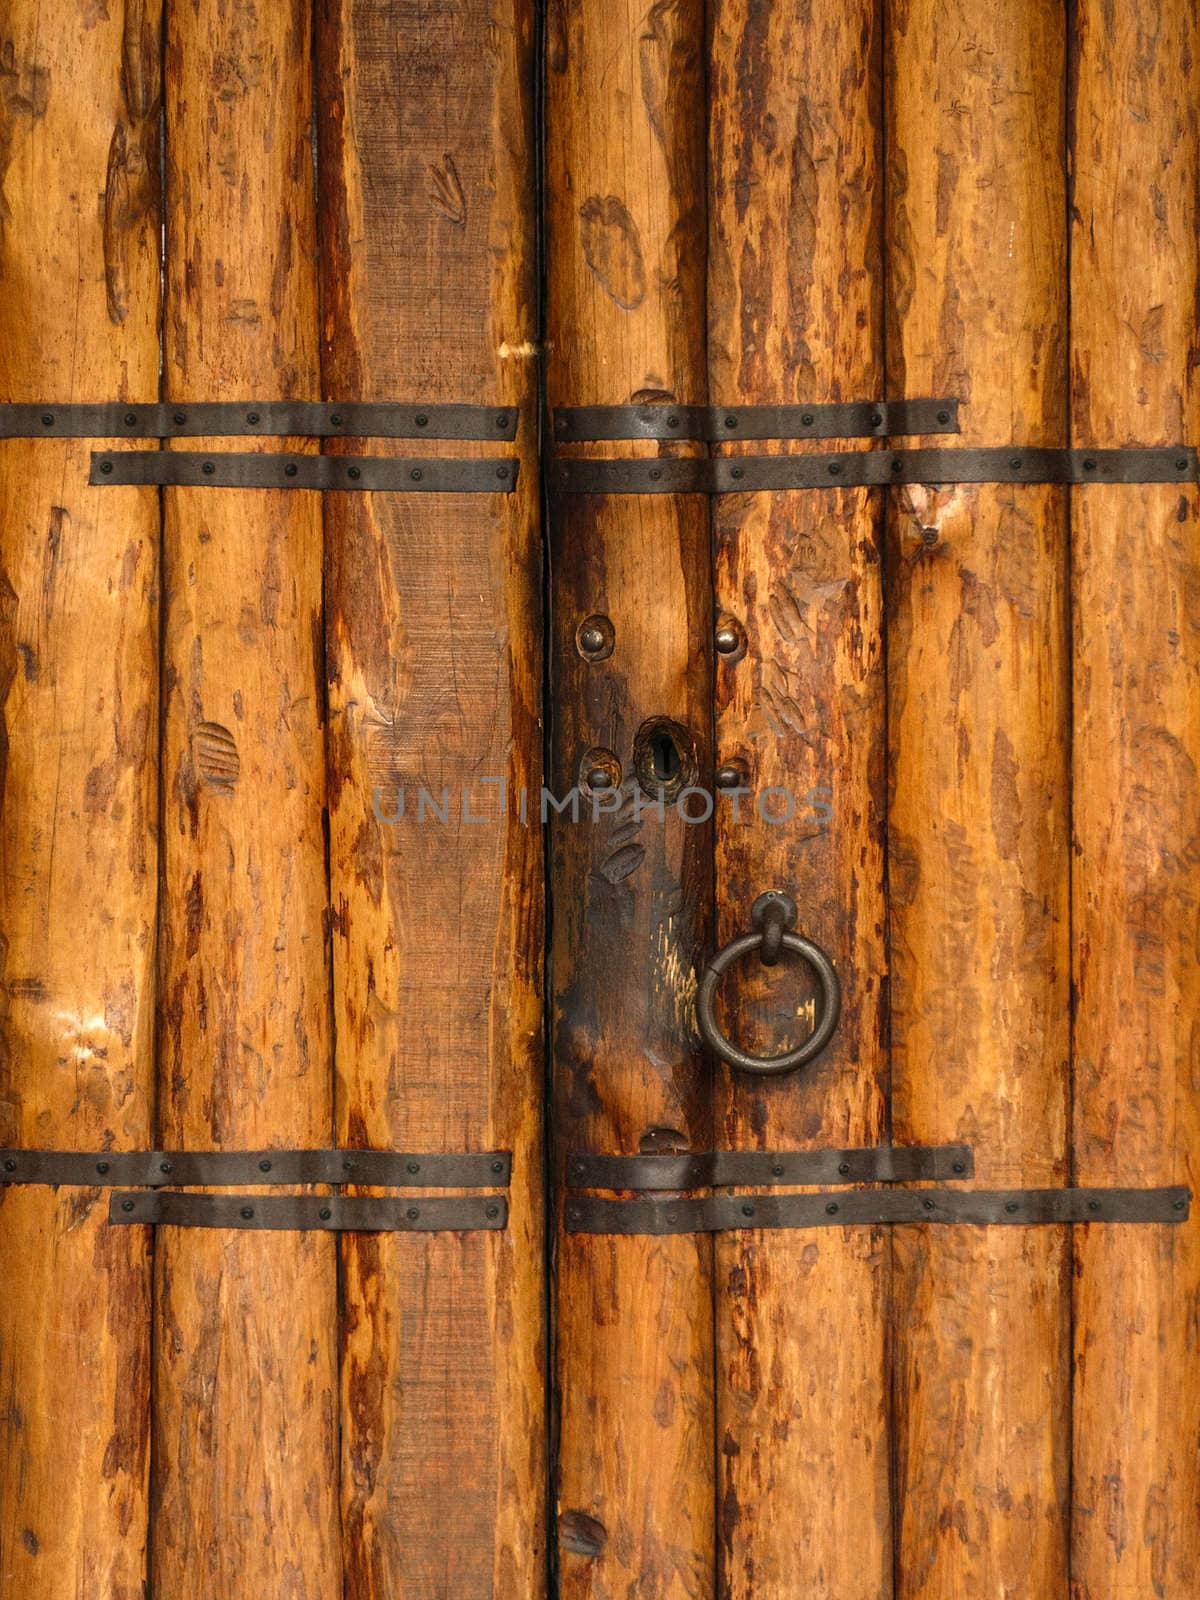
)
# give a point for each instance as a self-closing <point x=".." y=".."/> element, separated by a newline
<point x="79" y="319"/>
<point x="625" y="217"/>
<point x="795" y="314"/>
<point x="1136" y="1479"/>
<point x="978" y="719"/>
<point x="245" y="1460"/>
<point x="434" y="630"/>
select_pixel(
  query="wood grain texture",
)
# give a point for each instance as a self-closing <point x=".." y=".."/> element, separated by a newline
<point x="245" y="1404"/>
<point x="79" y="311"/>
<point x="625" y="219"/>
<point x="795" y="315"/>
<point x="978" y="720"/>
<point x="1136" y="895"/>
<point x="433" y="629"/>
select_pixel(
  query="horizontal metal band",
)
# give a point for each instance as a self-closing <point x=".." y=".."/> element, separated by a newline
<point x="335" y="1213"/>
<point x="364" y="419"/>
<point x="874" y="1207"/>
<point x="379" y="1169"/>
<point x="715" y="1168"/>
<point x="856" y="419"/>
<point x="872" y="469"/>
<point x="228" y="469"/>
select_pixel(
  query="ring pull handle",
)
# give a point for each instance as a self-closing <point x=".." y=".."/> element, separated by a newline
<point x="773" y="917"/>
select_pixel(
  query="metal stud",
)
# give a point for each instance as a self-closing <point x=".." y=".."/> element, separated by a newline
<point x="325" y="1213"/>
<point x="126" y="1205"/>
<point x="730" y="776"/>
<point x="493" y="1211"/>
<point x="264" y="1166"/>
<point x="727" y="638"/>
<point x="247" y="1212"/>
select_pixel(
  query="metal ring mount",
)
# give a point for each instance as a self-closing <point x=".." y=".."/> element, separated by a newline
<point x="773" y="915"/>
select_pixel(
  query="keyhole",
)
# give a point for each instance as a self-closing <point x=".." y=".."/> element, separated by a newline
<point x="664" y="758"/>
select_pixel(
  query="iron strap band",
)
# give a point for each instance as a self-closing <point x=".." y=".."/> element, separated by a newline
<point x="382" y="1169"/>
<point x="227" y="469"/>
<point x="874" y="1207"/>
<point x="856" y="419"/>
<point x="873" y="469"/>
<point x="334" y="1213"/>
<point x="715" y="1168"/>
<point x="295" y="418"/>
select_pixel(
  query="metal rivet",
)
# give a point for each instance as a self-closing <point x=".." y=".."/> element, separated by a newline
<point x="672" y="422"/>
<point x="591" y="638"/>
<point x="573" y="1213"/>
<point x="415" y="474"/>
<point x="353" y="472"/>
<point x="502" y="420"/>
<point x="731" y="422"/>
<point x="943" y="416"/>
<point x="1093" y="1205"/>
<point x="560" y="424"/>
<point x="843" y="1167"/>
<point x="727" y="638"/>
<point x="264" y="1166"/>
<point x="493" y="1211"/>
<point x="729" y="777"/>
<point x="247" y="1212"/>
<point x="422" y="420"/>
<point x="291" y="469"/>
<point x="208" y="468"/>
<point x="126" y="1205"/>
<point x="10" y="1165"/>
<point x="1179" y="1205"/>
<point x="413" y="1213"/>
<point x="1181" y="464"/>
<point x="777" y="1171"/>
<point x="807" y="419"/>
<point x="1015" y="463"/>
<point x="502" y="472"/>
<point x="48" y="419"/>
<point x="599" y="778"/>
<point x="252" y="417"/>
<point x="655" y="473"/>
<point x="106" y="466"/>
<point x="835" y="467"/>
<point x="412" y="1166"/>
<point x="102" y="1166"/>
<point x="165" y="1166"/>
<point x="747" y="1211"/>
<point x="130" y="418"/>
<point x="1089" y="464"/>
<point x="180" y="418"/>
<point x="736" y="472"/>
<point x="832" y="1208"/>
<point x="325" y="1213"/>
<point x="928" y="1204"/>
<point x="897" y="464"/>
<point x="498" y="1166"/>
<point x="876" y="419"/>
<point x="348" y="1165"/>
<point x="336" y="419"/>
<point x="959" y="1166"/>
<point x="1011" y="1206"/>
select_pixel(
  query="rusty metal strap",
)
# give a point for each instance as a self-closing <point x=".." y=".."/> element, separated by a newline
<point x="716" y="1168"/>
<point x="856" y="419"/>
<point x="873" y="469"/>
<point x="295" y="418"/>
<point x="335" y="1213"/>
<point x="227" y="469"/>
<point x="379" y="1169"/>
<point x="874" y="1207"/>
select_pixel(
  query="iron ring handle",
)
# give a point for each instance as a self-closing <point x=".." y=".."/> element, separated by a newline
<point x="827" y="1014"/>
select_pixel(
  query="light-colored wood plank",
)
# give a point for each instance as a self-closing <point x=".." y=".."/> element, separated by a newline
<point x="79" y="313"/>
<point x="978" y="731"/>
<point x="434" y="657"/>
<point x="795" y="315"/>
<point x="625" y="218"/>
<point x="245" y="1402"/>
<point x="1134" y="279"/>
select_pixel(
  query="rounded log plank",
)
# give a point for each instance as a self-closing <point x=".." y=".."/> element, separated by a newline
<point x="1136" y="605"/>
<point x="79" y="314"/>
<point x="978" y="808"/>
<point x="795" y="314"/>
<point x="245" y="1392"/>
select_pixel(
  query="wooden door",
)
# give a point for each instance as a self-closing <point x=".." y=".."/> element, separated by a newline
<point x="777" y="422"/>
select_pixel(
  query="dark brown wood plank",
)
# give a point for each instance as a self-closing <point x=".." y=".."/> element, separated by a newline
<point x="433" y="633"/>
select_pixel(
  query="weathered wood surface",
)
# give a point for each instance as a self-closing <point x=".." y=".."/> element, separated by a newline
<point x="79" y="302"/>
<point x="625" y="218"/>
<point x="978" y="730"/>
<point x="1134" y="269"/>
<point x="245" y="1382"/>
<point x="794" y="315"/>
<point x="433" y="631"/>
